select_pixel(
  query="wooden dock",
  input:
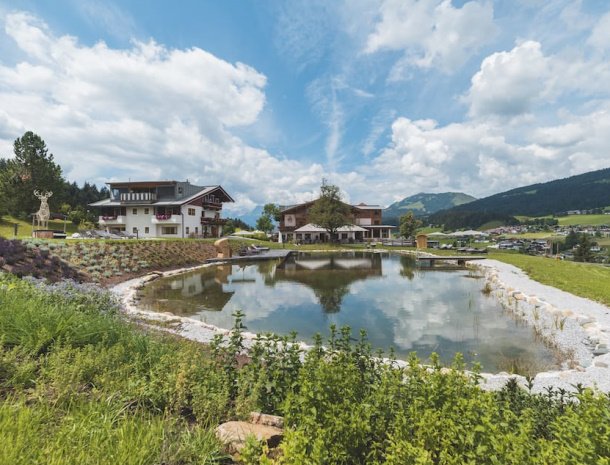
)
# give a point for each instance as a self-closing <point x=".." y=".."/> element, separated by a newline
<point x="460" y="259"/>
<point x="273" y="254"/>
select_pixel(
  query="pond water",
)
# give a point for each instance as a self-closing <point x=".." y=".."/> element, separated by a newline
<point x="399" y="305"/>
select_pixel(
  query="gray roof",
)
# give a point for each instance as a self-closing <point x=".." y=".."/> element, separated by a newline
<point x="189" y="192"/>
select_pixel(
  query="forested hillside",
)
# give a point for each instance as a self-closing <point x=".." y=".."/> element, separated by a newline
<point x="423" y="204"/>
<point x="586" y="191"/>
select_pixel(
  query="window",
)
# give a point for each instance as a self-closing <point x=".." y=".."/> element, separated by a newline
<point x="196" y="230"/>
<point x="134" y="211"/>
<point x="191" y="211"/>
<point x="146" y="230"/>
<point x="134" y="230"/>
<point x="187" y="229"/>
<point x="169" y="230"/>
<point x="146" y="210"/>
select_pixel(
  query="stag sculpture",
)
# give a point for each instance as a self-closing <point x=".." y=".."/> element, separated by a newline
<point x="41" y="217"/>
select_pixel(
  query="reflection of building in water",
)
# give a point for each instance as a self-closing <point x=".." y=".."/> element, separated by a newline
<point x="197" y="291"/>
<point x="329" y="276"/>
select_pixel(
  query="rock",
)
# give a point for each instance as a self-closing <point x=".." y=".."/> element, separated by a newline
<point x="567" y="313"/>
<point x="600" y="349"/>
<point x="235" y="433"/>
<point x="600" y="364"/>
<point x="584" y="319"/>
<point x="258" y="418"/>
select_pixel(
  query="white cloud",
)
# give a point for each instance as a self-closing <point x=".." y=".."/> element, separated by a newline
<point x="142" y="112"/>
<point x="482" y="158"/>
<point x="600" y="36"/>
<point x="432" y="33"/>
<point x="508" y="83"/>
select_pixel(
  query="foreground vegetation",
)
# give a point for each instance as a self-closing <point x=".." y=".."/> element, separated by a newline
<point x="80" y="385"/>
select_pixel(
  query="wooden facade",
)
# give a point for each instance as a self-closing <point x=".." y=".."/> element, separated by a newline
<point x="368" y="217"/>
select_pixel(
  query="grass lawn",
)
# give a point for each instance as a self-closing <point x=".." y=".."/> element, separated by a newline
<point x="584" y="220"/>
<point x="25" y="228"/>
<point x="583" y="279"/>
<point x="571" y="220"/>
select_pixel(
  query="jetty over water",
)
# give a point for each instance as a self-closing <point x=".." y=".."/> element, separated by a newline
<point x="273" y="254"/>
<point x="461" y="260"/>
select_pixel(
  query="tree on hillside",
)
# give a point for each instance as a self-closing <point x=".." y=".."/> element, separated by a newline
<point x="264" y="223"/>
<point x="32" y="168"/>
<point x="570" y="241"/>
<point x="409" y="225"/>
<point x="582" y="252"/>
<point x="273" y="211"/>
<point x="329" y="211"/>
<point x="232" y="224"/>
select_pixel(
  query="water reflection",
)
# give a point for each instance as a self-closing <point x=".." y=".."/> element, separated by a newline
<point x="398" y="304"/>
<point x="330" y="276"/>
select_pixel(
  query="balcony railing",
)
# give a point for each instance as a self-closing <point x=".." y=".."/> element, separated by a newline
<point x="211" y="204"/>
<point x="132" y="197"/>
<point x="213" y="221"/>
<point x="166" y="219"/>
<point x="111" y="219"/>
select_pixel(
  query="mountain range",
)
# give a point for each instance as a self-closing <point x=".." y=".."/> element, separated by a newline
<point x="585" y="191"/>
<point x="424" y="204"/>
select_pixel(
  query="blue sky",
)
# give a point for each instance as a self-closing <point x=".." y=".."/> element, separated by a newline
<point x="385" y="98"/>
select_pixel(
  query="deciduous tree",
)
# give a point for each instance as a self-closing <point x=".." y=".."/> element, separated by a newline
<point x="409" y="225"/>
<point x="264" y="223"/>
<point x="329" y="211"/>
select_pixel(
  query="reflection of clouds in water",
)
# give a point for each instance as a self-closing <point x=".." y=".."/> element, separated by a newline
<point x="424" y="311"/>
<point x="257" y="301"/>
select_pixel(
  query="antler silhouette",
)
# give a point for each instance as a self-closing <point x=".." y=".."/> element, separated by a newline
<point x="44" y="196"/>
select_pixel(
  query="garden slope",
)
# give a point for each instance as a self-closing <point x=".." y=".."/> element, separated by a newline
<point x="109" y="262"/>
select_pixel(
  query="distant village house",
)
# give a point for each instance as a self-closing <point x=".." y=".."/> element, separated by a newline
<point x="168" y="209"/>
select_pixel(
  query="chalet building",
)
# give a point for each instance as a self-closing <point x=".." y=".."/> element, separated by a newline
<point x="168" y="209"/>
<point x="365" y="225"/>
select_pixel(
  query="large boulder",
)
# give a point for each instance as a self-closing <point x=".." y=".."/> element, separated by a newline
<point x="235" y="433"/>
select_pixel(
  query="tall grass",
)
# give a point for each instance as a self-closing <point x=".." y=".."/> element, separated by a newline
<point x="98" y="433"/>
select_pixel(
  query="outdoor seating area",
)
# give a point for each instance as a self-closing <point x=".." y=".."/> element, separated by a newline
<point x="251" y="250"/>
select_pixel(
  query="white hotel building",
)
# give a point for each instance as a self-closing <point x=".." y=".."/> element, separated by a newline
<point x="167" y="209"/>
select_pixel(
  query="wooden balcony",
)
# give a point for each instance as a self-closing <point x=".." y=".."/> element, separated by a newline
<point x="210" y="205"/>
